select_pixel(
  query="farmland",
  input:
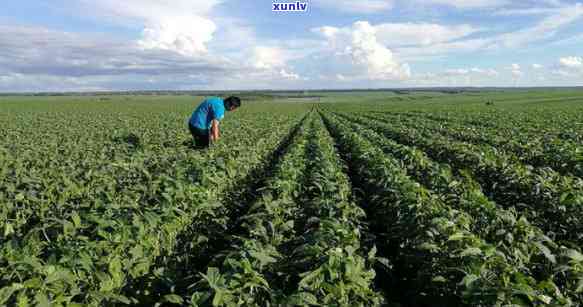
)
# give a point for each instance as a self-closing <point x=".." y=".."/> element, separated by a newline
<point x="350" y="199"/>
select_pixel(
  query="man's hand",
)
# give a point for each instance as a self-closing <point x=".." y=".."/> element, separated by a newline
<point x="214" y="133"/>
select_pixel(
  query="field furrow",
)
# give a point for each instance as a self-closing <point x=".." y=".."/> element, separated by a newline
<point x="328" y="263"/>
<point x="243" y="274"/>
<point x="436" y="258"/>
<point x="523" y="244"/>
<point x="551" y="201"/>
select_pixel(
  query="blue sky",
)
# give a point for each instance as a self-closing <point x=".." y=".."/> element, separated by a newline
<point x="86" y="45"/>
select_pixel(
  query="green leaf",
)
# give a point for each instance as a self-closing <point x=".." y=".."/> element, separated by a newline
<point x="308" y="298"/>
<point x="439" y="279"/>
<point x="213" y="277"/>
<point x="218" y="299"/>
<point x="173" y="299"/>
<point x="6" y="293"/>
<point x="574" y="255"/>
<point x="429" y="247"/>
<point x="8" y="229"/>
<point x="76" y="219"/>
<point x="469" y="280"/>
<point x="457" y="236"/>
<point x="263" y="258"/>
<point x="471" y="251"/>
<point x="22" y="300"/>
<point x="42" y="300"/>
<point x="546" y="251"/>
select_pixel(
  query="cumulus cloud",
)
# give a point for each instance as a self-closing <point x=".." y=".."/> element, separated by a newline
<point x="516" y="71"/>
<point x="367" y="54"/>
<point x="537" y="66"/>
<point x="379" y="60"/>
<point x="268" y="57"/>
<point x="178" y="34"/>
<point x="183" y="26"/>
<point x="273" y="61"/>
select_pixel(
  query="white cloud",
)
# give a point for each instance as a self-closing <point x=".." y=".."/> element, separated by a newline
<point x="353" y="6"/>
<point x="398" y="34"/>
<point x="543" y="7"/>
<point x="289" y="75"/>
<point x="516" y="71"/>
<point x="268" y="57"/>
<point x="379" y="60"/>
<point x="182" y="26"/>
<point x="367" y="54"/>
<point x="470" y="71"/>
<point x="485" y="72"/>
<point x="271" y="62"/>
<point x="42" y="55"/>
<point x="536" y="66"/>
<point x="404" y="34"/>
<point x="562" y="73"/>
<point x="545" y="29"/>
<point x="572" y="62"/>
<point x="177" y="34"/>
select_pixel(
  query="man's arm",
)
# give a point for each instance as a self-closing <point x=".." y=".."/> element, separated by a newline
<point x="214" y="133"/>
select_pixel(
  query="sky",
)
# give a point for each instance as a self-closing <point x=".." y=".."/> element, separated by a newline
<point x="111" y="45"/>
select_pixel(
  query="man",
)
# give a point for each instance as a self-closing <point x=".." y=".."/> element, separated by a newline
<point x="204" y="122"/>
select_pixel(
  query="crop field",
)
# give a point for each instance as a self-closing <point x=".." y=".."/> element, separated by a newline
<point x="350" y="199"/>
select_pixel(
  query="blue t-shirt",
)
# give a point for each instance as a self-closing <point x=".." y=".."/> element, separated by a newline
<point x="210" y="109"/>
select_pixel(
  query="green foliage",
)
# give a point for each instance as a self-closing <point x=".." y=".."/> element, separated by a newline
<point x="370" y="199"/>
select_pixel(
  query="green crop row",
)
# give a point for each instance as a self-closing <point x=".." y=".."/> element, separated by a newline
<point x="551" y="201"/>
<point x="104" y="241"/>
<point x="537" y="150"/>
<point x="511" y="124"/>
<point x="331" y="265"/>
<point x="430" y="242"/>
<point x="523" y="244"/>
<point x="244" y="273"/>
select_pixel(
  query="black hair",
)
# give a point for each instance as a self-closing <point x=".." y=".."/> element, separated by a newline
<point x="232" y="102"/>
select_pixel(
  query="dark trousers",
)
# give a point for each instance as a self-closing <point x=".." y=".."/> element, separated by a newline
<point x="201" y="136"/>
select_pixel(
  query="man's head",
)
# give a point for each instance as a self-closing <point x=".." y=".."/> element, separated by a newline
<point x="232" y="103"/>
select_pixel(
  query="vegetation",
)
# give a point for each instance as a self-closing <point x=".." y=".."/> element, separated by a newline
<point x="400" y="198"/>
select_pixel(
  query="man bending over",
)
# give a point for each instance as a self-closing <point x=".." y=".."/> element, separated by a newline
<point x="204" y="122"/>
